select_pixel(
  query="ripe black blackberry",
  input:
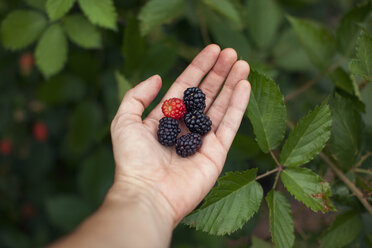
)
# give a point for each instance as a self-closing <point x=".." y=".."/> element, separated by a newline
<point x="188" y="144"/>
<point x="197" y="122"/>
<point x="194" y="99"/>
<point x="168" y="131"/>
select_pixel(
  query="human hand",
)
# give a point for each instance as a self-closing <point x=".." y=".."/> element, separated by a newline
<point x="179" y="184"/>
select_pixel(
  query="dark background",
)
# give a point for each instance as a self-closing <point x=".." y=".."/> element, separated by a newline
<point x="60" y="163"/>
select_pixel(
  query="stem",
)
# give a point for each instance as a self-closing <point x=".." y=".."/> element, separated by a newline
<point x="348" y="183"/>
<point x="363" y="84"/>
<point x="280" y="168"/>
<point x="290" y="124"/>
<point x="342" y="177"/>
<point x="277" y="177"/>
<point x="313" y="81"/>
<point x="267" y="173"/>
<point x="362" y="159"/>
<point x="364" y="171"/>
<point x="275" y="159"/>
<point x="203" y="28"/>
<point x="303" y="88"/>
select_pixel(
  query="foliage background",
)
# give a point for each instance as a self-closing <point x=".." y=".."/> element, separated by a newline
<point x="48" y="184"/>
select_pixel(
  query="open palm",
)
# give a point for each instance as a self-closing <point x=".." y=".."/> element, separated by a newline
<point x="181" y="182"/>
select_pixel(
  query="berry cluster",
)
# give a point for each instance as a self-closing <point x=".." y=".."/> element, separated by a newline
<point x="191" y="109"/>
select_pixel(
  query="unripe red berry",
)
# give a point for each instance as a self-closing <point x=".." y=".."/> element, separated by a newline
<point x="26" y="63"/>
<point x="5" y="147"/>
<point x="40" y="131"/>
<point x="174" y="108"/>
<point x="28" y="210"/>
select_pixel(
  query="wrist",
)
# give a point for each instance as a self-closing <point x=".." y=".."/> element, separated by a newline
<point x="131" y="211"/>
<point x="142" y="197"/>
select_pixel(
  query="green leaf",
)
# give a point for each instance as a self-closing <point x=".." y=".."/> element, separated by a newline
<point x="229" y="205"/>
<point x="38" y="4"/>
<point x="367" y="99"/>
<point x="281" y="222"/>
<point x="317" y="41"/>
<point x="62" y="89"/>
<point x="84" y="126"/>
<point x="157" y="12"/>
<point x="343" y="230"/>
<point x="348" y="30"/>
<point x="308" y="188"/>
<point x="308" y="137"/>
<point x="263" y="20"/>
<point x="225" y="8"/>
<point x="134" y="46"/>
<point x="82" y="32"/>
<point x="362" y="65"/>
<point x="289" y="54"/>
<point x="67" y="211"/>
<point x="342" y="80"/>
<point x="227" y="35"/>
<point x="14" y="238"/>
<point x="259" y="243"/>
<point x="150" y="64"/>
<point x="100" y="12"/>
<point x="21" y="28"/>
<point x="51" y="51"/>
<point x="266" y="111"/>
<point x="123" y="85"/>
<point x="346" y="131"/>
<point x="58" y="8"/>
<point x="96" y="175"/>
<point x="246" y="145"/>
<point x="40" y="161"/>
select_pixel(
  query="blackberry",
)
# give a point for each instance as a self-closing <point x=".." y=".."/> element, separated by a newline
<point x="168" y="131"/>
<point x="194" y="99"/>
<point x="197" y="122"/>
<point x="188" y="144"/>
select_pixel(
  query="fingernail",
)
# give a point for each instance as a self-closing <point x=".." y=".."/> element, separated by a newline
<point x="154" y="76"/>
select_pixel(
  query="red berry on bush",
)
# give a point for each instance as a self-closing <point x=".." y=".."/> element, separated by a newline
<point x="174" y="108"/>
<point x="26" y="63"/>
<point x="5" y="147"/>
<point x="40" y="131"/>
<point x="28" y="210"/>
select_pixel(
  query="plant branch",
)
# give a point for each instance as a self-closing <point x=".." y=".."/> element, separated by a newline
<point x="277" y="177"/>
<point x="280" y="168"/>
<point x="346" y="181"/>
<point x="313" y="81"/>
<point x="362" y="159"/>
<point x="342" y="177"/>
<point x="303" y="88"/>
<point x="203" y="28"/>
<point x="275" y="159"/>
<point x="363" y="84"/>
<point x="267" y="173"/>
<point x="364" y="171"/>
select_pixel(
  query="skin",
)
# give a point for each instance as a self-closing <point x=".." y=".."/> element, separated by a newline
<point x="154" y="188"/>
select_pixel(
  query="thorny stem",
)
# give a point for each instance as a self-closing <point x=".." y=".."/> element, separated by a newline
<point x="267" y="173"/>
<point x="348" y="183"/>
<point x="342" y="177"/>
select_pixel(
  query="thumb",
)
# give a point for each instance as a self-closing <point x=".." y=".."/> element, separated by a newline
<point x="138" y="98"/>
